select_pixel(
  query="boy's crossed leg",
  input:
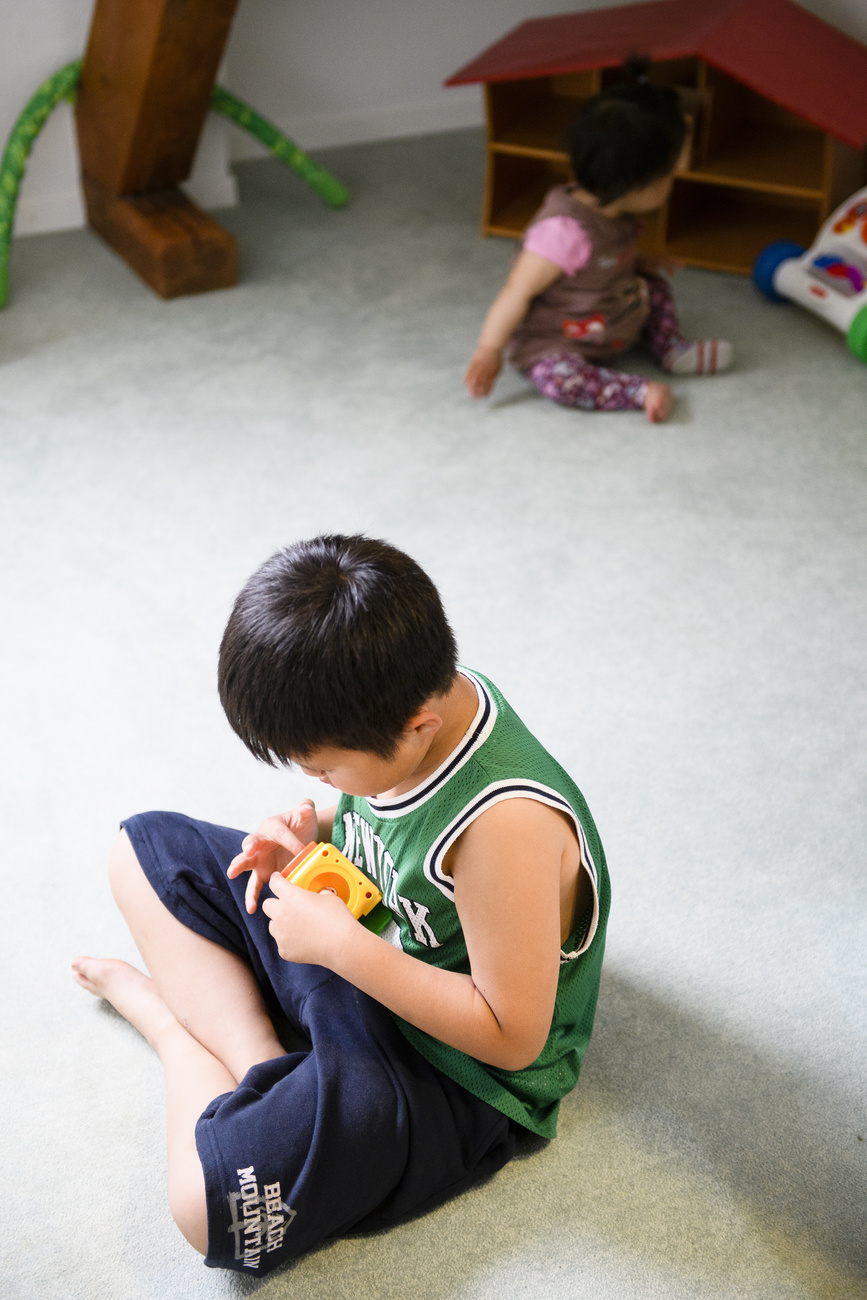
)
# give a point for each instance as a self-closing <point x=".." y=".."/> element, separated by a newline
<point x="202" y="1012"/>
<point x="357" y="1132"/>
<point x="210" y="991"/>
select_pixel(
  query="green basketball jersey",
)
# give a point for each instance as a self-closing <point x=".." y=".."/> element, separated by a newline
<point x="400" y="843"/>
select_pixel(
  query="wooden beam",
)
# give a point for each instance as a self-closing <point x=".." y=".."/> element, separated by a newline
<point x="145" y="88"/>
<point x="173" y="245"/>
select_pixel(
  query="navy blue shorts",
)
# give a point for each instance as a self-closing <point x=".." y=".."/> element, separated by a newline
<point x="350" y="1134"/>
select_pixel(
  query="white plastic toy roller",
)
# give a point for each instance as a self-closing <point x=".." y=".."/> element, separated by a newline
<point x="830" y="277"/>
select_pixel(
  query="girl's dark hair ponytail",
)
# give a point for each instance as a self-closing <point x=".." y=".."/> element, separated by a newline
<point x="628" y="136"/>
<point x="636" y="68"/>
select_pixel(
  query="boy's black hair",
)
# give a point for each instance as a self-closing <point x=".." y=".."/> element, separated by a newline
<point x="627" y="137"/>
<point x="336" y="641"/>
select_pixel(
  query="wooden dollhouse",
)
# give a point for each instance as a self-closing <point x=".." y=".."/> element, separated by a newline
<point x="776" y="99"/>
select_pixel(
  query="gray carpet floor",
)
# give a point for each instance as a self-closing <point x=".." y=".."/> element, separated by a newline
<point x="679" y="611"/>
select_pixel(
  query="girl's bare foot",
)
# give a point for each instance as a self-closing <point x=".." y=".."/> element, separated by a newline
<point x="658" y="401"/>
<point x="129" y="991"/>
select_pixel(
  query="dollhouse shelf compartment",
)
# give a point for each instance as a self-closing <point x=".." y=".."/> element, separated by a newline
<point x="756" y="170"/>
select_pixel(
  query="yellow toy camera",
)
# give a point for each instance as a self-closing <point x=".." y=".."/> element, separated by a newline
<point x="322" y="866"/>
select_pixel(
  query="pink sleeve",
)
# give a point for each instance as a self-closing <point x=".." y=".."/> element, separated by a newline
<point x="562" y="240"/>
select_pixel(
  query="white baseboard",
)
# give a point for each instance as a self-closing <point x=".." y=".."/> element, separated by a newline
<point x="50" y="196"/>
<point x="44" y="205"/>
<point x="212" y="183"/>
<point x="37" y="214"/>
<point x="461" y="107"/>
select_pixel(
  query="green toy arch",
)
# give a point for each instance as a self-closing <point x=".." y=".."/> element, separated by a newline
<point x="328" y="187"/>
<point x="63" y="85"/>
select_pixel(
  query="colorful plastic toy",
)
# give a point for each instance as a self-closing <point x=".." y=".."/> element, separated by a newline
<point x="322" y="866"/>
<point x="830" y="277"/>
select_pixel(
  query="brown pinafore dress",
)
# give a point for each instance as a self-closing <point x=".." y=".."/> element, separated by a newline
<point x="601" y="309"/>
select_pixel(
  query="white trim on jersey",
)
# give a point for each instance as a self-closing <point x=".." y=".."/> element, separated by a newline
<point x="495" y="793"/>
<point x="479" y="729"/>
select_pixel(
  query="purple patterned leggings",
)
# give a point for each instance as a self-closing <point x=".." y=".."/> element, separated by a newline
<point x="567" y="378"/>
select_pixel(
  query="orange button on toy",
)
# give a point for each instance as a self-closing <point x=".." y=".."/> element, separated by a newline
<point x="322" y="866"/>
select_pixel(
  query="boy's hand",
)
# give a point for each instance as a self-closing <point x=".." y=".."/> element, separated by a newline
<point x="272" y="845"/>
<point x="307" y="927"/>
<point x="483" y="369"/>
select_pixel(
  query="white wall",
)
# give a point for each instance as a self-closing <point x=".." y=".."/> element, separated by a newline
<point x="334" y="72"/>
<point x="327" y="72"/>
<point x="342" y="71"/>
<point x="37" y="37"/>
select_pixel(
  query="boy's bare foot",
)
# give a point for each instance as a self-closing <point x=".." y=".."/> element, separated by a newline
<point x="658" y="401"/>
<point x="129" y="991"/>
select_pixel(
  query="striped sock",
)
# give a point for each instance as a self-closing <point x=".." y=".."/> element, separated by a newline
<point x="701" y="357"/>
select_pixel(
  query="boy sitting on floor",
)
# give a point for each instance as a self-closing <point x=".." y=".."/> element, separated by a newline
<point x="428" y="1050"/>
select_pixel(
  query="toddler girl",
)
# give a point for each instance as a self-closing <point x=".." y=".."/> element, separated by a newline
<point x="579" y="293"/>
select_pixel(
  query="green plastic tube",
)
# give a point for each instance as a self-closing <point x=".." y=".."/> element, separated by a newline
<point x="326" y="186"/>
<point x="61" y="86"/>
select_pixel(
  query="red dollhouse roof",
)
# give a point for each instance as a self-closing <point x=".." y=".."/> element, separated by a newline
<point x="773" y="46"/>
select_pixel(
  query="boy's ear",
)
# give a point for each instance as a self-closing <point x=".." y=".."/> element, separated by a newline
<point x="423" y="723"/>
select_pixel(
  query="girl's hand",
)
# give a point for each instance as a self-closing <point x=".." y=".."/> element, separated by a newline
<point x="271" y="846"/>
<point x="483" y="369"/>
<point x="658" y="401"/>
<point x="307" y="927"/>
<point x="530" y="275"/>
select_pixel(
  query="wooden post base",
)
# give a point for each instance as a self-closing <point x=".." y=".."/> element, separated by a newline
<point x="174" y="246"/>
